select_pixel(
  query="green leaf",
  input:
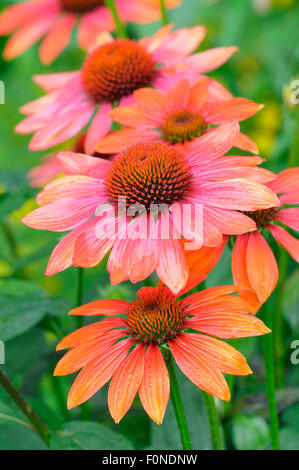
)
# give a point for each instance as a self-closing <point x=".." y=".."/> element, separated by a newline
<point x="16" y="437"/>
<point x="249" y="432"/>
<point x="20" y="314"/>
<point x="78" y="435"/>
<point x="10" y="414"/>
<point x="289" y="439"/>
<point x="291" y="416"/>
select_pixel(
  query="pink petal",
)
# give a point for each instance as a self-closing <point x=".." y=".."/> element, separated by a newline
<point x="57" y="39"/>
<point x="99" y="127"/>
<point x="211" y="59"/>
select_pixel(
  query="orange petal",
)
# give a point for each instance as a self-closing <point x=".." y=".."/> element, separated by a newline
<point x="200" y="298"/>
<point x="89" y="332"/>
<point x="290" y="243"/>
<point x="105" y="307"/>
<point x="97" y="373"/>
<point x="261" y="266"/>
<point x="226" y="358"/>
<point x="201" y="371"/>
<point x="154" y="389"/>
<point x="226" y="324"/>
<point x="57" y="39"/>
<point x="91" y="350"/>
<point x="125" y="383"/>
<point x="204" y="259"/>
<point x="240" y="275"/>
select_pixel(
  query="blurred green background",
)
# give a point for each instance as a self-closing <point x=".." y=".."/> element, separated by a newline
<point x="33" y="308"/>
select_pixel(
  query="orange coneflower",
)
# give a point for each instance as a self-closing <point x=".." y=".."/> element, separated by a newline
<point x="181" y="116"/>
<point x="253" y="262"/>
<point x="31" y="20"/>
<point x="128" y="347"/>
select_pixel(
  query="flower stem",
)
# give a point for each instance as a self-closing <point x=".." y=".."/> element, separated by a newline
<point x="178" y="406"/>
<point x="10" y="238"/>
<point x="214" y="421"/>
<point x="270" y="380"/>
<point x="163" y="13"/>
<point x="38" y="425"/>
<point x="120" y="29"/>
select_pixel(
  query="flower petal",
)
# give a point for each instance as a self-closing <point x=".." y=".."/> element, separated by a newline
<point x="290" y="243"/>
<point x="261" y="266"/>
<point x="236" y="109"/>
<point x="201" y="371"/>
<point x="97" y="373"/>
<point x="154" y="389"/>
<point x="125" y="383"/>
<point x="106" y="307"/>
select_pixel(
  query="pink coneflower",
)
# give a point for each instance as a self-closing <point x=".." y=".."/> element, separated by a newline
<point x="135" y="341"/>
<point x="180" y="117"/>
<point x="253" y="262"/>
<point x="110" y="74"/>
<point x="147" y="174"/>
<point x="55" y="19"/>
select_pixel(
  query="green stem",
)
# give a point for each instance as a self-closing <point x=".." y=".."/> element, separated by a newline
<point x="270" y="380"/>
<point x="38" y="425"/>
<point x="163" y="13"/>
<point x="214" y="421"/>
<point x="177" y="404"/>
<point x="293" y="155"/>
<point x="278" y="324"/>
<point x="120" y="29"/>
<point x="10" y="238"/>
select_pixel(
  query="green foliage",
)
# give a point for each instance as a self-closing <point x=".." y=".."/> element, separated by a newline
<point x="249" y="432"/>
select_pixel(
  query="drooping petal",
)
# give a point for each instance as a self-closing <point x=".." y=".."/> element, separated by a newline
<point x="226" y="358"/>
<point x="289" y="217"/>
<point x="99" y="128"/>
<point x="240" y="274"/>
<point x="57" y="39"/>
<point x="125" y="383"/>
<point x="172" y="266"/>
<point x="261" y="266"/>
<point x="201" y="371"/>
<point x="290" y="243"/>
<point x="27" y="35"/>
<point x="97" y="373"/>
<point x="154" y="389"/>
<point x="287" y="180"/>
<point x="245" y="143"/>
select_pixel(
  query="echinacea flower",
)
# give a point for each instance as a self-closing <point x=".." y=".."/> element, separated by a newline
<point x="253" y="262"/>
<point x="180" y="116"/>
<point x="31" y="20"/>
<point x="151" y="175"/>
<point x="129" y="344"/>
<point x="112" y="71"/>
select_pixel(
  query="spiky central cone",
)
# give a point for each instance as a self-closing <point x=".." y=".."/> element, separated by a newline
<point x="80" y="6"/>
<point x="182" y="126"/>
<point x="116" y="70"/>
<point x="147" y="174"/>
<point x="155" y="318"/>
<point x="262" y="217"/>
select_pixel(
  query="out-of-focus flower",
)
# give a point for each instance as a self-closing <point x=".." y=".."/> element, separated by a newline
<point x="151" y="175"/>
<point x="253" y="262"/>
<point x="181" y="116"/>
<point x="128" y="347"/>
<point x="113" y="70"/>
<point x="55" y="19"/>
